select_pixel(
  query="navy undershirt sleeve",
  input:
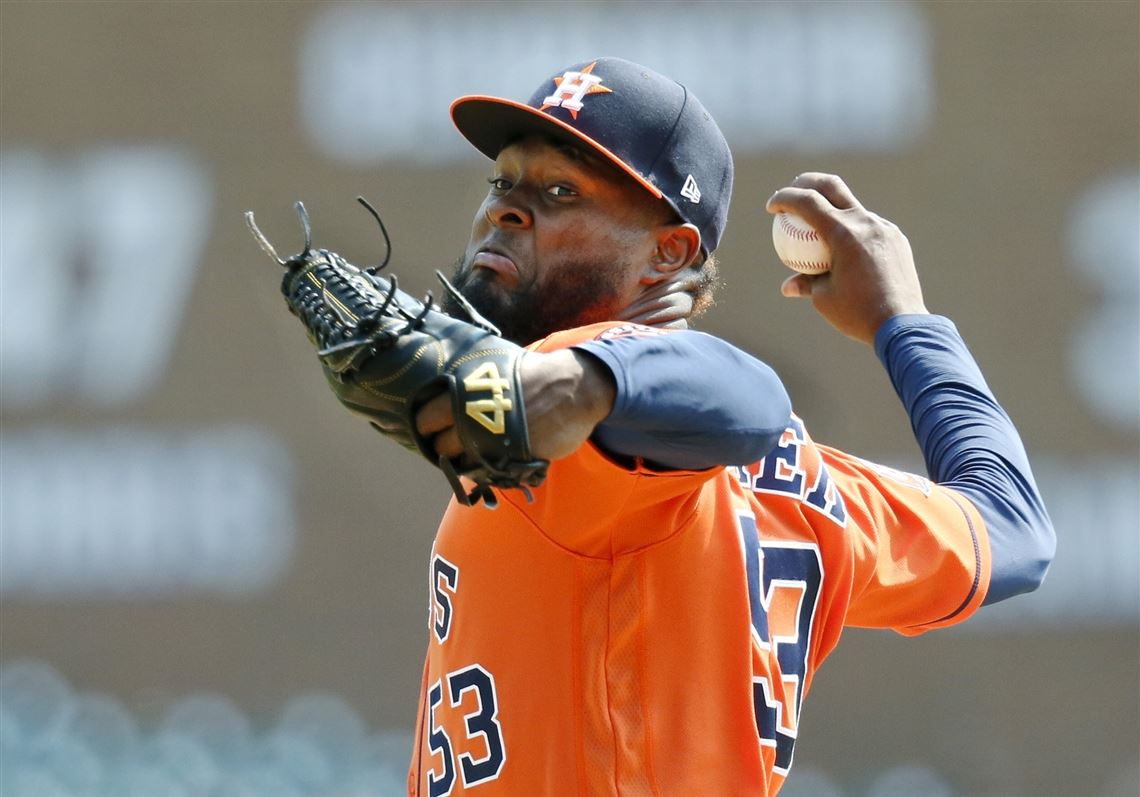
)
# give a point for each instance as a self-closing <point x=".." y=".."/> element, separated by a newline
<point x="689" y="401"/>
<point x="970" y="444"/>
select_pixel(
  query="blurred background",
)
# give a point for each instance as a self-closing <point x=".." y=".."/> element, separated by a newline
<point x="213" y="579"/>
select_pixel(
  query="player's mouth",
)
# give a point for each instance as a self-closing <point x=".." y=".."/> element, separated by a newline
<point x="497" y="262"/>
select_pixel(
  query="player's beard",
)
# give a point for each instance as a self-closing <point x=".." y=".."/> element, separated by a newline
<point x="573" y="295"/>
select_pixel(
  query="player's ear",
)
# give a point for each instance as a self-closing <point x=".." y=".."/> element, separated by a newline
<point x="677" y="247"/>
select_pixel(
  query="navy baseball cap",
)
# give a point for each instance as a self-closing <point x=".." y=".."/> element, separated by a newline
<point x="649" y="126"/>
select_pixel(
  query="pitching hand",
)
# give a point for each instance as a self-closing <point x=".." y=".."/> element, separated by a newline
<point x="872" y="276"/>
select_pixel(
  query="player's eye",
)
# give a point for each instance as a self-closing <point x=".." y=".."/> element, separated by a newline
<point x="499" y="185"/>
<point x="561" y="191"/>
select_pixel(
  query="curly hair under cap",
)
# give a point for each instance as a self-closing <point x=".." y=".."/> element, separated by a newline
<point x="704" y="292"/>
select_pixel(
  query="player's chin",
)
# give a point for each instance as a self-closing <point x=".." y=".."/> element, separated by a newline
<point x="485" y="293"/>
<point x="485" y="285"/>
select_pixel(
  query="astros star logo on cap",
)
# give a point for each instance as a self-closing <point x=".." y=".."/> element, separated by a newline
<point x="572" y="88"/>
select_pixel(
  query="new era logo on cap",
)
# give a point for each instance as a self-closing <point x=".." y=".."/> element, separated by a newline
<point x="651" y="127"/>
<point x="690" y="191"/>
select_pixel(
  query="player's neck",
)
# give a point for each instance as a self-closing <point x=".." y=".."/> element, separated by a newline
<point x="668" y="303"/>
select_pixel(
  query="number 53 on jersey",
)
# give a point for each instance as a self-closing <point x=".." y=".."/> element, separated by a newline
<point x="478" y="757"/>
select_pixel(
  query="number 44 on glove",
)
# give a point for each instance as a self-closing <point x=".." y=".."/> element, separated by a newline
<point x="386" y="353"/>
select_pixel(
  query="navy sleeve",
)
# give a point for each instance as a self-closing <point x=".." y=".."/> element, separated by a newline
<point x="688" y="401"/>
<point x="970" y="444"/>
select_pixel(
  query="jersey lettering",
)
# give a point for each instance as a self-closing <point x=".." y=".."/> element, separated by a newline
<point x="631" y="331"/>
<point x="482" y="750"/>
<point x="923" y="485"/>
<point x="784" y="582"/>
<point x="482" y="722"/>
<point x="825" y="497"/>
<point x="783" y="472"/>
<point x="439" y="785"/>
<point x="444" y="583"/>
<point x="780" y="471"/>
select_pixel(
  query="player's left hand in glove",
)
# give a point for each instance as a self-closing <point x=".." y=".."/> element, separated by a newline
<point x="385" y="354"/>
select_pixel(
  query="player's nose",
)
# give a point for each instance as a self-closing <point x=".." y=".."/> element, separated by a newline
<point x="504" y="213"/>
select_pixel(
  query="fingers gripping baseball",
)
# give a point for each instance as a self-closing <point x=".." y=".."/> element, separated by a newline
<point x="872" y="276"/>
<point x="830" y="187"/>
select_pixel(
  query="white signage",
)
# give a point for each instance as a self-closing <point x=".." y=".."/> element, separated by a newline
<point x="1104" y="353"/>
<point x="377" y="80"/>
<point x="125" y="512"/>
<point x="97" y="259"/>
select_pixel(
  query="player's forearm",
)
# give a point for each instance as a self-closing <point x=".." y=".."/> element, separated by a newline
<point x="970" y="444"/>
<point x="687" y="400"/>
<point x="567" y="393"/>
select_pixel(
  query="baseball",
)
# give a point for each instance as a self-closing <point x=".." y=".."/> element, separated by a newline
<point x="799" y="246"/>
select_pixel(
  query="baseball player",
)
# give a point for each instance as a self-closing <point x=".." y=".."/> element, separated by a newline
<point x="649" y="618"/>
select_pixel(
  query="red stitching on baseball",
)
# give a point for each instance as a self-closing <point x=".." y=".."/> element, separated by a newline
<point x="807" y="264"/>
<point x="796" y="232"/>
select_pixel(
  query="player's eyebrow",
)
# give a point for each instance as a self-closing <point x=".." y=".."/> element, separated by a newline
<point x="659" y="211"/>
<point x="576" y="153"/>
<point x="580" y="155"/>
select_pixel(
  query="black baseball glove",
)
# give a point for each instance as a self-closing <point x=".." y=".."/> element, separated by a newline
<point x="386" y="353"/>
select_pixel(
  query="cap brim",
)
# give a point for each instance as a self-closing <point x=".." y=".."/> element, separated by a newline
<point x="490" y="123"/>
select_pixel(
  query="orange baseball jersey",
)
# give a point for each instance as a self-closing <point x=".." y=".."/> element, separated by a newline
<point x="639" y="632"/>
